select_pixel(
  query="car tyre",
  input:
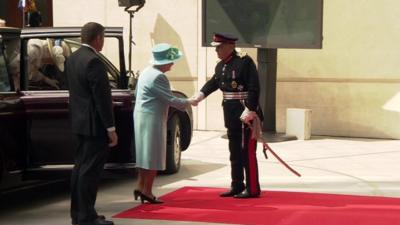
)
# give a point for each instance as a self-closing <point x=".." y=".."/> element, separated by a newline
<point x="173" y="158"/>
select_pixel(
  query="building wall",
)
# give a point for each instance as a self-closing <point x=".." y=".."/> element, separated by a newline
<point x="350" y="84"/>
<point x="349" y="81"/>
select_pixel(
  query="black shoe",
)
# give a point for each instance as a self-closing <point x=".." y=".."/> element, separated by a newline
<point x="75" y="221"/>
<point x="246" y="194"/>
<point x="136" y="194"/>
<point x="230" y="193"/>
<point x="98" y="221"/>
<point x="152" y="200"/>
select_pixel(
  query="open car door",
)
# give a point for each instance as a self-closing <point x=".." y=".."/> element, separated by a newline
<point x="50" y="139"/>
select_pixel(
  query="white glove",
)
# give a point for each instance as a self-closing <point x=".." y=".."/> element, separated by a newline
<point x="197" y="98"/>
<point x="192" y="102"/>
<point x="247" y="116"/>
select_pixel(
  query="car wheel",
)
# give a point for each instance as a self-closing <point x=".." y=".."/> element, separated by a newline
<point x="173" y="158"/>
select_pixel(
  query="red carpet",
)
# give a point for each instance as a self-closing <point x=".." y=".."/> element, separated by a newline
<point x="272" y="208"/>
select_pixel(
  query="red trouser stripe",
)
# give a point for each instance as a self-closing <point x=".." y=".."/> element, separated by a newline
<point x="251" y="152"/>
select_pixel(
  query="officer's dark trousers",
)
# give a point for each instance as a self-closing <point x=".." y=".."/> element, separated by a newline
<point x="90" y="157"/>
<point x="243" y="159"/>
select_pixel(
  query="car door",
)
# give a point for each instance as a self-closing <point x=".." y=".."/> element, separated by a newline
<point x="48" y="130"/>
<point x="12" y="114"/>
<point x="50" y="139"/>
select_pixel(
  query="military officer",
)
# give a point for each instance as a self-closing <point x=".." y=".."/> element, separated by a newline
<point x="237" y="78"/>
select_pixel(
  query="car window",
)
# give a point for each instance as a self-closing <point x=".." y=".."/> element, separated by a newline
<point x="45" y="63"/>
<point x="109" y="55"/>
<point x="47" y="56"/>
<point x="11" y="58"/>
<point x="4" y="79"/>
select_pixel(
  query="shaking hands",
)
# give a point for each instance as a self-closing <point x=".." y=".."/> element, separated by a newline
<point x="195" y="99"/>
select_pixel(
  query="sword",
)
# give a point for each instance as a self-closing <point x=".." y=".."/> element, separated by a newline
<point x="256" y="122"/>
<point x="266" y="147"/>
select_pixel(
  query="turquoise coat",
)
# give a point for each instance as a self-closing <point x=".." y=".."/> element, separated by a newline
<point x="153" y="98"/>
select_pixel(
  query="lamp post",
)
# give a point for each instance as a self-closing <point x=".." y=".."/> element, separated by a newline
<point x="21" y="6"/>
<point x="128" y="4"/>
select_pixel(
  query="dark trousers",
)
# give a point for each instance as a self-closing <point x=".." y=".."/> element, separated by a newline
<point x="243" y="160"/>
<point x="90" y="158"/>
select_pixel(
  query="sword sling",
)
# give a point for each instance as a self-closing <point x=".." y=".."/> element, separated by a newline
<point x="266" y="147"/>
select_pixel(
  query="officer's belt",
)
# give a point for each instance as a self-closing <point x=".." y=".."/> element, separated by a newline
<point x="235" y="95"/>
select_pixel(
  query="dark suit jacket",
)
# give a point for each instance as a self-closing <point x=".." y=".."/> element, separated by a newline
<point x="90" y="101"/>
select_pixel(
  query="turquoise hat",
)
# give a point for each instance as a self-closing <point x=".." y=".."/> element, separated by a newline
<point x="164" y="53"/>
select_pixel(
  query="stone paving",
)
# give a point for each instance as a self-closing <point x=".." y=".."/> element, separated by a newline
<point x="327" y="164"/>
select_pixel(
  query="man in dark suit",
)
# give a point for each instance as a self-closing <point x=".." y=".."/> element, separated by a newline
<point x="92" y="120"/>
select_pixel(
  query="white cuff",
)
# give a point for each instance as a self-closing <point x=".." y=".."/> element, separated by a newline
<point x="111" y="129"/>
<point x="200" y="96"/>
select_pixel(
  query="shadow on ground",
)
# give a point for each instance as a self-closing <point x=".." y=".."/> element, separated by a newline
<point x="116" y="181"/>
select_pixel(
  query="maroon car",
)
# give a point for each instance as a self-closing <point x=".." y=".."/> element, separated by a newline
<point x="35" y="137"/>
